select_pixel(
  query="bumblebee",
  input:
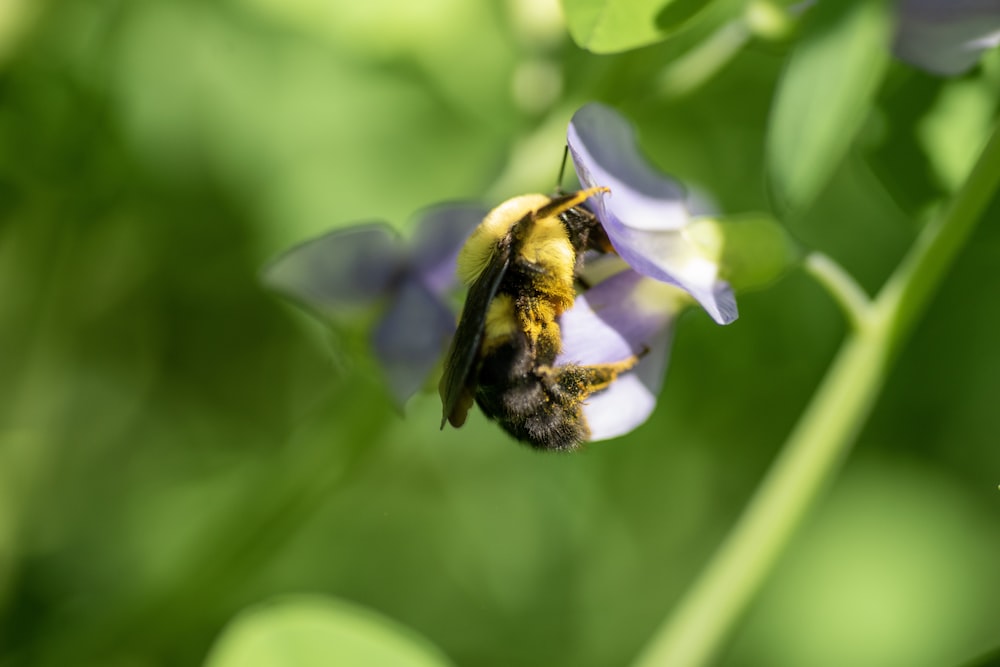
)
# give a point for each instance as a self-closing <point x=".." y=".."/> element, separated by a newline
<point x="521" y="267"/>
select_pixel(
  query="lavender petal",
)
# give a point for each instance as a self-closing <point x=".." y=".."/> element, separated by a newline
<point x="946" y="37"/>
<point x="440" y="234"/>
<point x="604" y="152"/>
<point x="355" y="266"/>
<point x="630" y="400"/>
<point x="645" y="213"/>
<point x="617" y="318"/>
<point x="624" y="315"/>
<point x="411" y="338"/>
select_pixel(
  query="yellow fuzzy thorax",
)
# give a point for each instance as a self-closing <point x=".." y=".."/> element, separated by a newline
<point x="478" y="249"/>
<point x="548" y="246"/>
<point x="545" y="245"/>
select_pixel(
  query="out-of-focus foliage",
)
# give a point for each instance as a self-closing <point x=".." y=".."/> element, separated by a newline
<point x="176" y="445"/>
<point x="609" y="26"/>
<point x="824" y="96"/>
<point x="305" y="630"/>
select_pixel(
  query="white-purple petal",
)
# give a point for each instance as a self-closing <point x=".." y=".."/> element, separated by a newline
<point x="630" y="400"/>
<point x="645" y="213"/>
<point x="615" y="319"/>
<point x="604" y="152"/>
<point x="946" y="37"/>
<point x="411" y="338"/>
<point x="355" y="266"/>
<point x="673" y="258"/>
<point x="439" y="235"/>
<point x="625" y="314"/>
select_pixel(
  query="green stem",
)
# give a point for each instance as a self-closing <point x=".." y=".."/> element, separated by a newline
<point x="853" y="300"/>
<point x="914" y="282"/>
<point x="825" y="433"/>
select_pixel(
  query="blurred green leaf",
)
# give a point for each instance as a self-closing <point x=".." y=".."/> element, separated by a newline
<point x="610" y="26"/>
<point x="823" y="97"/>
<point x="303" y="631"/>
<point x="954" y="130"/>
<point x="902" y="166"/>
<point x="16" y="18"/>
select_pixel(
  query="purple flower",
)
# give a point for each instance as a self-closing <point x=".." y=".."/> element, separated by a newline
<point x="370" y="266"/>
<point x="646" y="214"/>
<point x="648" y="218"/>
<point x="946" y="36"/>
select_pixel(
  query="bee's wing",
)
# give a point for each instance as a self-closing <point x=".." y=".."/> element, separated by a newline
<point x="457" y="386"/>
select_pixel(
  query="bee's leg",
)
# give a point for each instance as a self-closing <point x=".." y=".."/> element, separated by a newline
<point x="573" y="383"/>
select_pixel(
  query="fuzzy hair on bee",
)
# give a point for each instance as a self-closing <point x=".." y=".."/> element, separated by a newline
<point x="521" y="265"/>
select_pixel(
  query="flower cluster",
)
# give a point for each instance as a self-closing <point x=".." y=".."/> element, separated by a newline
<point x="660" y="269"/>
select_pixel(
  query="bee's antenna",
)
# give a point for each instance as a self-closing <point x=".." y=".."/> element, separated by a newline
<point x="562" y="170"/>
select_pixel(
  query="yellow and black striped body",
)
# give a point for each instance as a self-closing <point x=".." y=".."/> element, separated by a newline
<point x="521" y="265"/>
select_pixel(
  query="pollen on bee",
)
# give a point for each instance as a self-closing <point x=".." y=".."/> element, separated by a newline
<point x="501" y="322"/>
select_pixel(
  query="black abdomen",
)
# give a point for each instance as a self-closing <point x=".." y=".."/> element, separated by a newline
<point x="528" y="406"/>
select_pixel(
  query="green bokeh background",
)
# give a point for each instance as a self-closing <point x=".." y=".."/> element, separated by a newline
<point x="176" y="444"/>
